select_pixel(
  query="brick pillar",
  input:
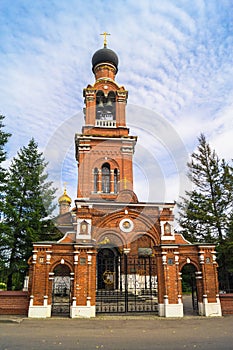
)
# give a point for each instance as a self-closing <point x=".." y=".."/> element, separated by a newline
<point x="171" y="305"/>
<point x="39" y="299"/>
<point x="178" y="277"/>
<point x="99" y="185"/>
<point x="112" y="181"/>
<point x="83" y="303"/>
<point x="75" y="281"/>
<point x="211" y="304"/>
<point x="161" y="283"/>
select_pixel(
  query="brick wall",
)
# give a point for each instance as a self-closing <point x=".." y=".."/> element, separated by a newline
<point x="227" y="304"/>
<point x="14" y="303"/>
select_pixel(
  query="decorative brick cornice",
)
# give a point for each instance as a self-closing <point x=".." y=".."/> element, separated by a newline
<point x="89" y="94"/>
<point x="122" y="96"/>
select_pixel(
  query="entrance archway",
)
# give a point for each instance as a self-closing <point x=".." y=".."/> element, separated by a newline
<point x="126" y="283"/>
<point x="61" y="290"/>
<point x="189" y="289"/>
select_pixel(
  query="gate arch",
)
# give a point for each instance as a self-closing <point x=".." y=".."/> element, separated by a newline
<point x="126" y="282"/>
<point x="61" y="290"/>
<point x="189" y="285"/>
<point x="107" y="269"/>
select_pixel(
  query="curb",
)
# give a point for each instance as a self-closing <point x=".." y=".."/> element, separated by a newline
<point x="11" y="320"/>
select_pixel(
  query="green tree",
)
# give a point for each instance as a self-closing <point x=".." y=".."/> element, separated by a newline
<point x="204" y="214"/>
<point x="29" y="205"/>
<point x="3" y="140"/>
<point x="226" y="249"/>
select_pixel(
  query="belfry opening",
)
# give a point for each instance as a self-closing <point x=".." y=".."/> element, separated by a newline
<point x="117" y="255"/>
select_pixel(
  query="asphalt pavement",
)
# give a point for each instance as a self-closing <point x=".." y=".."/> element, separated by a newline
<point x="117" y="333"/>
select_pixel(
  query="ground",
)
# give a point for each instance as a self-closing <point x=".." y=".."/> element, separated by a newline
<point x="117" y="333"/>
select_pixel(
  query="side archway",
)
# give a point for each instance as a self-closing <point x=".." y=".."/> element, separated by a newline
<point x="189" y="288"/>
<point x="61" y="292"/>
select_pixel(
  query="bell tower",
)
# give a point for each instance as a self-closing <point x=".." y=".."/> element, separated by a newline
<point x="104" y="149"/>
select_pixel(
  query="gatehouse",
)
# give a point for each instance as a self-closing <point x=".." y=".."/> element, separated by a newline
<point x="117" y="255"/>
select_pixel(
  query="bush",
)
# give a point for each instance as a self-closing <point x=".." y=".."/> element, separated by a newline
<point x="2" y="286"/>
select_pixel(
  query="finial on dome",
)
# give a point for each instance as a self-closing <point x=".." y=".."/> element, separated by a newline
<point x="105" y="38"/>
<point x="64" y="202"/>
<point x="64" y="197"/>
<point x="65" y="183"/>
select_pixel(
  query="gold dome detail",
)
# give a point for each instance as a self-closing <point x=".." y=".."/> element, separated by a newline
<point x="65" y="198"/>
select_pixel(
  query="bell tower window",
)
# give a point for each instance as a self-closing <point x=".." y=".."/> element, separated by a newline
<point x="99" y="105"/>
<point x="110" y="106"/>
<point x="105" y="109"/>
<point x="106" y="178"/>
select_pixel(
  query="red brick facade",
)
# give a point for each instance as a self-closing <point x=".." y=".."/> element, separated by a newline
<point x="108" y="217"/>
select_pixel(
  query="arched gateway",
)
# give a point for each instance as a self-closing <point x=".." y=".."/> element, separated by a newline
<point x="117" y="254"/>
<point x="61" y="290"/>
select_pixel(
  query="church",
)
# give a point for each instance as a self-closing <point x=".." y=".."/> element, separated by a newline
<point x="117" y="255"/>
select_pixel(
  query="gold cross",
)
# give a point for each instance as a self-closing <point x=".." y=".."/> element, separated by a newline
<point x="65" y="183"/>
<point x="105" y="38"/>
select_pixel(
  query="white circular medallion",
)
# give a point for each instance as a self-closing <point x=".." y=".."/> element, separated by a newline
<point x="126" y="225"/>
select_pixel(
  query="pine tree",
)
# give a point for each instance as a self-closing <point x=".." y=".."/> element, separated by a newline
<point x="29" y="204"/>
<point x="225" y="251"/>
<point x="205" y="211"/>
<point x="3" y="140"/>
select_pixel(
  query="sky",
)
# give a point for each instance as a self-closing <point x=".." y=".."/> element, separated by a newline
<point x="175" y="59"/>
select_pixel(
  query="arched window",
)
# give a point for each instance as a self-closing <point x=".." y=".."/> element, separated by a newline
<point x="110" y="106"/>
<point x="96" y="180"/>
<point x="106" y="178"/>
<point x="115" y="181"/>
<point x="105" y="106"/>
<point x="99" y="104"/>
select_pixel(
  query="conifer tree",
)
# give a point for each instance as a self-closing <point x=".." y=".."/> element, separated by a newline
<point x="29" y="204"/>
<point x="3" y="140"/>
<point x="225" y="252"/>
<point x="205" y="211"/>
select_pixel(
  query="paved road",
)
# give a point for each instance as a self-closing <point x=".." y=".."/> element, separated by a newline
<point x="122" y="333"/>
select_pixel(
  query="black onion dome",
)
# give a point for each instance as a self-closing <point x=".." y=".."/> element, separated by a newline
<point x="105" y="55"/>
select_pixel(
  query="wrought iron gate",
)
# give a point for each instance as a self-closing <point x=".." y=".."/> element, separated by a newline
<point x="194" y="293"/>
<point x="189" y="274"/>
<point x="126" y="284"/>
<point x="61" y="292"/>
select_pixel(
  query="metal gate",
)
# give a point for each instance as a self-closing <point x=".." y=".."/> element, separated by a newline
<point x="194" y="293"/>
<point x="61" y="291"/>
<point x="189" y="274"/>
<point x="126" y="283"/>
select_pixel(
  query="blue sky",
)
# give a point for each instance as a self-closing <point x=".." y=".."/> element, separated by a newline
<point x="176" y="61"/>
